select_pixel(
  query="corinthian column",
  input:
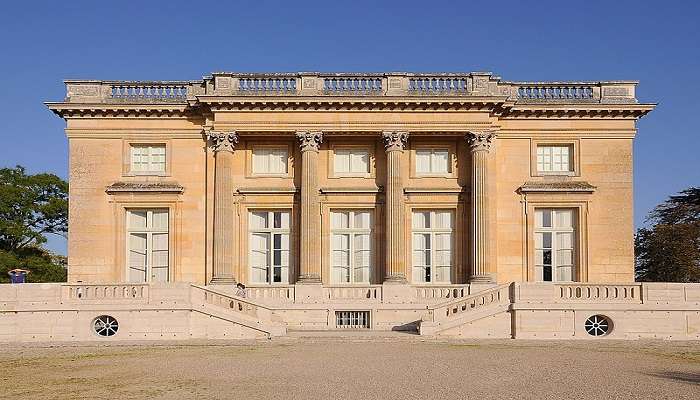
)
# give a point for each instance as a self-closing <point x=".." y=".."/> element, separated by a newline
<point x="480" y="144"/>
<point x="223" y="144"/>
<point x="310" y="257"/>
<point x="395" y="142"/>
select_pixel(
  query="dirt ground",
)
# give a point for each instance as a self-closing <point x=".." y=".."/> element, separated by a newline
<point x="350" y="367"/>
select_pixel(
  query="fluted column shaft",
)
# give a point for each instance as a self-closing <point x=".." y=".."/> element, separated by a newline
<point x="310" y="249"/>
<point x="395" y="143"/>
<point x="223" y="144"/>
<point x="480" y="143"/>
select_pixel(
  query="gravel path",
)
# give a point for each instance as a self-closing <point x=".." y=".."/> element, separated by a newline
<point x="354" y="367"/>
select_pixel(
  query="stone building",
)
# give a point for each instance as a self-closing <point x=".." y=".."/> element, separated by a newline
<point x="346" y="179"/>
<point x="460" y="203"/>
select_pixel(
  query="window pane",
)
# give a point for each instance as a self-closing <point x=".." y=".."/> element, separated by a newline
<point x="260" y="160"/>
<point x="342" y="161"/>
<point x="137" y="257"/>
<point x="137" y="219"/>
<point x="362" y="220"/>
<point x="423" y="161"/>
<point x="359" y="161"/>
<point x="278" y="162"/>
<point x="443" y="219"/>
<point x="544" y="219"/>
<point x="547" y="240"/>
<point x="440" y="162"/>
<point x="418" y="274"/>
<point x="340" y="220"/>
<point x="258" y="220"/>
<point x="442" y="274"/>
<point x="564" y="218"/>
<point x="159" y="257"/>
<point x="277" y="220"/>
<point x="565" y="274"/>
<point x="421" y="219"/>
<point x="160" y="220"/>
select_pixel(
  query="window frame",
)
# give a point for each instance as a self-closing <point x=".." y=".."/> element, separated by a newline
<point x="270" y="147"/>
<point x="574" y="158"/>
<point x="270" y="232"/>
<point x="149" y="231"/>
<point x="555" y="231"/>
<point x="352" y="232"/>
<point x="350" y="173"/>
<point x="433" y="232"/>
<point x="127" y="145"/>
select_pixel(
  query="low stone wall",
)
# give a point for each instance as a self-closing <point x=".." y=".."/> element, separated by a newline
<point x="68" y="312"/>
<point x="64" y="312"/>
<point x="572" y="311"/>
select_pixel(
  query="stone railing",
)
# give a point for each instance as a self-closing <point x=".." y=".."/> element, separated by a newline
<point x="500" y="294"/>
<point x="430" y="292"/>
<point x="276" y="294"/>
<point x="352" y="85"/>
<point x="262" y="85"/>
<point x="132" y="92"/>
<point x="354" y="293"/>
<point x="615" y="293"/>
<point x="438" y="85"/>
<point x="229" y="302"/>
<point x="89" y="292"/>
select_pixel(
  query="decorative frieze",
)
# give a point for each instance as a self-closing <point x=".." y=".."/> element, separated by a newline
<point x="222" y="141"/>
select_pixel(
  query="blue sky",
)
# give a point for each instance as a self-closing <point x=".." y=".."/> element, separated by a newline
<point x="657" y="43"/>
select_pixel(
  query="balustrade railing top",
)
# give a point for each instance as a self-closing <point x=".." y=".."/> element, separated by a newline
<point x="352" y="85"/>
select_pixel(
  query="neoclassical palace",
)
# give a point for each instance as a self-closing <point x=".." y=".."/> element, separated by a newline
<point x="452" y="203"/>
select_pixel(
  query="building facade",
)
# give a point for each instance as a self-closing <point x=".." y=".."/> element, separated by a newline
<point x="447" y="204"/>
<point x="350" y="179"/>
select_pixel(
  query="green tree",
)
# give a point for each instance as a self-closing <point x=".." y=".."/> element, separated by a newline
<point x="669" y="249"/>
<point x="31" y="207"/>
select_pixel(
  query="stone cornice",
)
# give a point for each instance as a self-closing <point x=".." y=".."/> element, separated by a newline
<point x="557" y="186"/>
<point x="394" y="91"/>
<point x="138" y="187"/>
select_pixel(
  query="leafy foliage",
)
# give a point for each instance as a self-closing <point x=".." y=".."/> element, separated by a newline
<point x="31" y="207"/>
<point x="669" y="250"/>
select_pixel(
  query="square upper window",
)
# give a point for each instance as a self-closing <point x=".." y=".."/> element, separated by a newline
<point x="554" y="159"/>
<point x="270" y="161"/>
<point x="351" y="162"/>
<point x="432" y="161"/>
<point x="147" y="159"/>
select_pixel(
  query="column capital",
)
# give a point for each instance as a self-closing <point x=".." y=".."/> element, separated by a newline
<point x="222" y="141"/>
<point x="480" y="140"/>
<point x="310" y="141"/>
<point x="395" y="140"/>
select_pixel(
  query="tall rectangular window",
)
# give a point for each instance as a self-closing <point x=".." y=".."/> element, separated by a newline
<point x="351" y="162"/>
<point x="351" y="246"/>
<point x="432" y="161"/>
<point x="269" y="161"/>
<point x="147" y="245"/>
<point x="269" y="246"/>
<point x="147" y="158"/>
<point x="554" y="245"/>
<point x="554" y="159"/>
<point x="432" y="246"/>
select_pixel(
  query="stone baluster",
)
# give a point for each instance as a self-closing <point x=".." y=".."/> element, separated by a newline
<point x="395" y="142"/>
<point x="223" y="145"/>
<point x="310" y="257"/>
<point x="480" y="144"/>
